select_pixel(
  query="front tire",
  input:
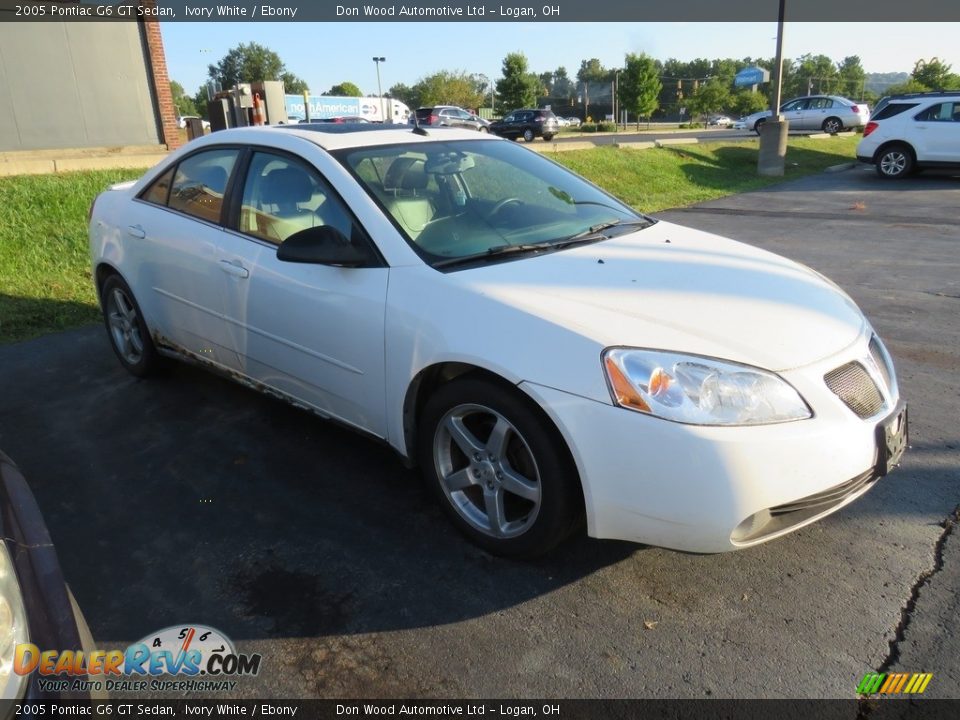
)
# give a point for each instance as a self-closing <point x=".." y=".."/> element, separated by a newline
<point x="128" y="333"/>
<point x="894" y="162"/>
<point x="498" y="467"/>
<point x="528" y="135"/>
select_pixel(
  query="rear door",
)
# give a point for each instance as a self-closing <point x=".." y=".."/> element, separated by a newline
<point x="313" y="332"/>
<point x="172" y="254"/>
<point x="818" y="109"/>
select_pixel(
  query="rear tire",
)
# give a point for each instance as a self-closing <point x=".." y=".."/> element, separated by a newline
<point x="498" y="467"/>
<point x="128" y="333"/>
<point x="832" y="125"/>
<point x="482" y="129"/>
<point x="547" y="138"/>
<point x="756" y="126"/>
<point x="895" y="162"/>
<point x="528" y="135"/>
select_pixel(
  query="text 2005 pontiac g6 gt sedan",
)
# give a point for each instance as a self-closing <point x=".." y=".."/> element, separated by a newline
<point x="544" y="353"/>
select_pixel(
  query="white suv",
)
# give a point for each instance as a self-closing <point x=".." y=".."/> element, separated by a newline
<point x="911" y="132"/>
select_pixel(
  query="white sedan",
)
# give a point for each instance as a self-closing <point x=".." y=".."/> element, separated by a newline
<point x="546" y="354"/>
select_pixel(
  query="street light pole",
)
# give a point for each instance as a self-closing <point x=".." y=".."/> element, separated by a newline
<point x="379" y="60"/>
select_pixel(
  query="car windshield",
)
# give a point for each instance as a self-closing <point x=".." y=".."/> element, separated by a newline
<point x="465" y="202"/>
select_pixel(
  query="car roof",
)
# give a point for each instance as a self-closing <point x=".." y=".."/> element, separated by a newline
<point x="335" y="137"/>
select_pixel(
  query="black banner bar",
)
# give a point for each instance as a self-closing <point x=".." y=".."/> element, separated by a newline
<point x="480" y="11"/>
<point x="888" y="708"/>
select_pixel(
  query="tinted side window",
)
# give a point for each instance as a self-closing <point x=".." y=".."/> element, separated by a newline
<point x="941" y="112"/>
<point x="282" y="196"/>
<point x="891" y="109"/>
<point x="200" y="183"/>
<point x="159" y="190"/>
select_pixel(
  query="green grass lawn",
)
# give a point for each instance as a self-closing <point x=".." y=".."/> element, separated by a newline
<point x="680" y="175"/>
<point x="45" y="282"/>
<point x="44" y="261"/>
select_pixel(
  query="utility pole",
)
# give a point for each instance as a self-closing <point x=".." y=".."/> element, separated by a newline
<point x="379" y="60"/>
<point x="773" y="133"/>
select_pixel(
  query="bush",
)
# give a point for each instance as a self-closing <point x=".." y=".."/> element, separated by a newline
<point x="588" y="127"/>
<point x="607" y="127"/>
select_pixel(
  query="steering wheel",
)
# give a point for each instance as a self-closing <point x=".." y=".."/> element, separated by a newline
<point x="501" y="205"/>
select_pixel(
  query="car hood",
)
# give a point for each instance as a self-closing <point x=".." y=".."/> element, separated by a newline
<point x="674" y="288"/>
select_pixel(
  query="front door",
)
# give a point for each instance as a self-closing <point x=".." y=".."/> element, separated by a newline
<point x="313" y="332"/>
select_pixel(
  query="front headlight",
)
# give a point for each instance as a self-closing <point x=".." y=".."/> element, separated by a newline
<point x="699" y="390"/>
<point x="13" y="627"/>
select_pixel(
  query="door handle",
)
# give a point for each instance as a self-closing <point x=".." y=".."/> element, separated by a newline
<point x="234" y="269"/>
<point x="136" y="231"/>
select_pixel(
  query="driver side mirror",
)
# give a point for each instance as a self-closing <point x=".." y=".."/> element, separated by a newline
<point x="322" y="245"/>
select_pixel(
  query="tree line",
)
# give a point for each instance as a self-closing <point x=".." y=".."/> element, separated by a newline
<point x="643" y="87"/>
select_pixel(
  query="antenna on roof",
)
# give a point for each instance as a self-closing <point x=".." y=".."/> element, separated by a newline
<point x="417" y="130"/>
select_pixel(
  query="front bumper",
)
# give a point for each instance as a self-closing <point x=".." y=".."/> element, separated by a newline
<point x="715" y="489"/>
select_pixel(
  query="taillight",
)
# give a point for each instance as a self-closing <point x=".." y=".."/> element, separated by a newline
<point x="538" y="119"/>
<point x="855" y="108"/>
<point x="871" y="126"/>
<point x="434" y="120"/>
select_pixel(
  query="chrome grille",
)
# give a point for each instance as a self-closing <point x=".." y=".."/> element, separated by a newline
<point x="878" y="357"/>
<point x="854" y="386"/>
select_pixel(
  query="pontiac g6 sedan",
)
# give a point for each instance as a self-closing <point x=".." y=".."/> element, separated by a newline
<point x="545" y="354"/>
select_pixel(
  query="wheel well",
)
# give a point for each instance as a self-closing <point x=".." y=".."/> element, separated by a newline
<point x="431" y="378"/>
<point x="102" y="273"/>
<point x="889" y="144"/>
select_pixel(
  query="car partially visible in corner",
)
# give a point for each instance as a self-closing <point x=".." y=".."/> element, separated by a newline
<point x="36" y="605"/>
<point x="547" y="355"/>
<point x="913" y="132"/>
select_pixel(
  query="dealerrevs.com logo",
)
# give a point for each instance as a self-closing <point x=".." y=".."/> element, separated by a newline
<point x="185" y="652"/>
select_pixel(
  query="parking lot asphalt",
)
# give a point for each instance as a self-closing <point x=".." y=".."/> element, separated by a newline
<point x="189" y="499"/>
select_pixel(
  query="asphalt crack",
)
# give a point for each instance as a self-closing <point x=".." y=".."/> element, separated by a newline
<point x="906" y="612"/>
<point x="866" y="705"/>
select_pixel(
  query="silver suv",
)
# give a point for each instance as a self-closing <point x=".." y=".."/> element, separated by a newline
<point x="920" y="130"/>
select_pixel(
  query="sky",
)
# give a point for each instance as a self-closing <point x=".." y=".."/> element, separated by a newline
<point x="325" y="54"/>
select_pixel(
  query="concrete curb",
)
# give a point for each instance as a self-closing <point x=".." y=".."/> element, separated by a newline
<point x="841" y="167"/>
<point x="48" y="166"/>
<point x="676" y="141"/>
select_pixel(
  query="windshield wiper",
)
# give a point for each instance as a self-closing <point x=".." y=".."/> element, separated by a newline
<point x="596" y="231"/>
<point x="494" y="252"/>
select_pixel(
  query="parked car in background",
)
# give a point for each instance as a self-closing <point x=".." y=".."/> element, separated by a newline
<point x="913" y="132"/>
<point x="573" y="122"/>
<point x="719" y="121"/>
<point x="527" y="124"/>
<point x="546" y="354"/>
<point x="562" y="122"/>
<point x="36" y="606"/>
<point x="339" y="120"/>
<point x="828" y="113"/>
<point x="448" y="116"/>
<point x="182" y="121"/>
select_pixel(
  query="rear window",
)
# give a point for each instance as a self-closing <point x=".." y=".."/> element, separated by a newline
<point x="891" y="109"/>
